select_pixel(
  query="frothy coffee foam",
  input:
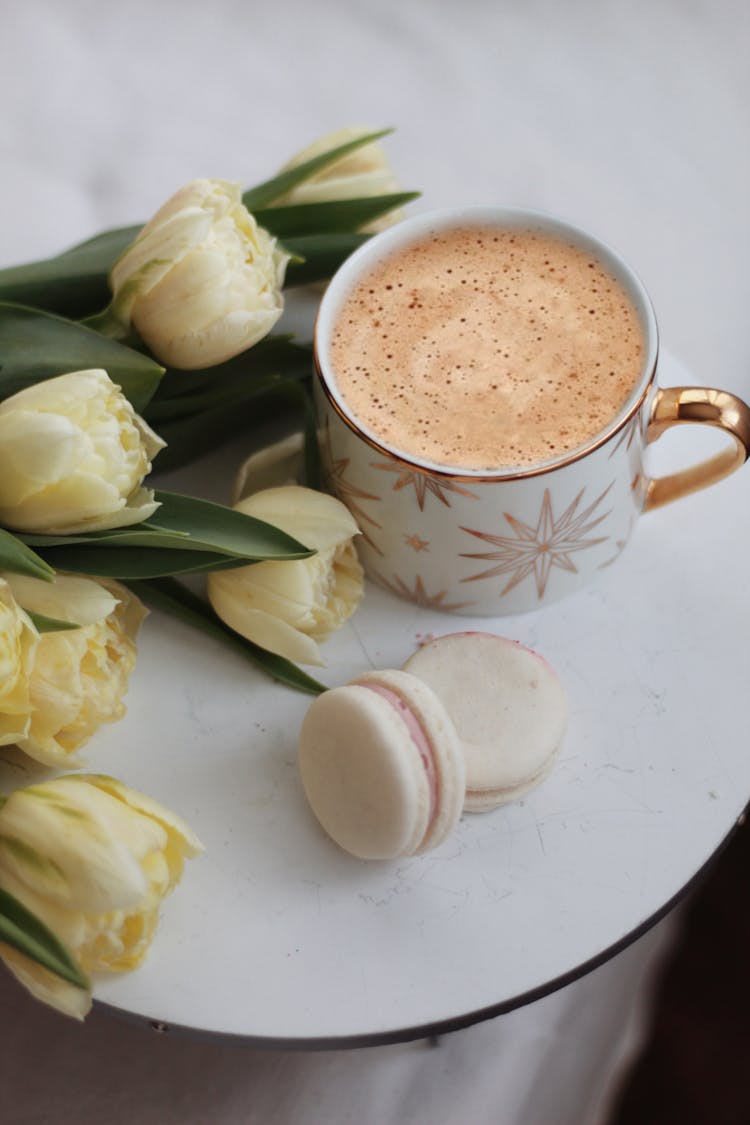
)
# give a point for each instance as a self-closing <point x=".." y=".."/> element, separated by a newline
<point x="484" y="348"/>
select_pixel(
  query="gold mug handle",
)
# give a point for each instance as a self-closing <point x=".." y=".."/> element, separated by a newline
<point x="677" y="405"/>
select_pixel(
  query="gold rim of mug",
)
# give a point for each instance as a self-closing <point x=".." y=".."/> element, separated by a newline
<point x="498" y="475"/>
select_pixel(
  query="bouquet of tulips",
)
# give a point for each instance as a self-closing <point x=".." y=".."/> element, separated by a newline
<point x="149" y="341"/>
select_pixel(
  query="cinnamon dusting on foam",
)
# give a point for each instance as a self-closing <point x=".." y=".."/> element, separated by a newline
<point x="484" y="348"/>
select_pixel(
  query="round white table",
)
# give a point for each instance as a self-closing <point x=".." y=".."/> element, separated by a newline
<point x="278" y="938"/>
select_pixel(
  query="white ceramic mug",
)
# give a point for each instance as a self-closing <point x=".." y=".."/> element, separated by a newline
<point x="479" y="542"/>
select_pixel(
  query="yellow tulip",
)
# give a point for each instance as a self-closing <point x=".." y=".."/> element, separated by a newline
<point x="287" y="607"/>
<point x="202" y="281"/>
<point x="73" y="455"/>
<point x="77" y="678"/>
<point x="92" y="859"/>
<point x="18" y="643"/>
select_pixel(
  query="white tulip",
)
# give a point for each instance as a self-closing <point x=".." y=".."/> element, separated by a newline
<point x="73" y="455"/>
<point x="202" y="281"/>
<point x="18" y="642"/>
<point x="92" y="859"/>
<point x="360" y="174"/>
<point x="78" y="677"/>
<point x="288" y="606"/>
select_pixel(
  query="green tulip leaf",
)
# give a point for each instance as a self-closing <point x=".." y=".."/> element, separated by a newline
<point x="274" y="355"/>
<point x="36" y="345"/>
<point x="73" y="283"/>
<point x="191" y="437"/>
<point x="224" y="401"/>
<point x="23" y="931"/>
<point x="321" y="255"/>
<point x="18" y="558"/>
<point x="133" y="563"/>
<point x="221" y="529"/>
<point x="223" y="393"/>
<point x="339" y="215"/>
<point x="175" y="599"/>
<point x="104" y="248"/>
<point x="45" y="624"/>
<point x="182" y="524"/>
<point x="264" y="194"/>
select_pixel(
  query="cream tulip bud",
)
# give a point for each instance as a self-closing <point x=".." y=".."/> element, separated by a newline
<point x="202" y="281"/>
<point x="18" y="643"/>
<point x="73" y="455"/>
<point x="360" y="174"/>
<point x="79" y="676"/>
<point x="287" y="607"/>
<point x="92" y="859"/>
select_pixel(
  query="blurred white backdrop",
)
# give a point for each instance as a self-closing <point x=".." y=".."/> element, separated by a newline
<point x="627" y="119"/>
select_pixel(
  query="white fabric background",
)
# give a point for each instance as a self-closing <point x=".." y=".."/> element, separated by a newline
<point x="630" y="119"/>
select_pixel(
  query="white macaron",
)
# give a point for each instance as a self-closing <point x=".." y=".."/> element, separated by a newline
<point x="382" y="766"/>
<point x="507" y="705"/>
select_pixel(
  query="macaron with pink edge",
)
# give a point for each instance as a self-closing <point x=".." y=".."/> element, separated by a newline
<point x="382" y="766"/>
<point x="507" y="705"/>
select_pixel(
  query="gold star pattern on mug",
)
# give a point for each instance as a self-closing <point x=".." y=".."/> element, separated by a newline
<point x="630" y="432"/>
<point x="416" y="543"/>
<point x="347" y="492"/>
<point x="422" y="483"/>
<point x="418" y="594"/>
<point x="537" y="549"/>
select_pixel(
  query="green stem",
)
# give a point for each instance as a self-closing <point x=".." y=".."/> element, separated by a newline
<point x="107" y="324"/>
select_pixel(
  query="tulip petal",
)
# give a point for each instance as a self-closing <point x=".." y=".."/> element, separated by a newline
<point x="18" y="644"/>
<point x="38" y="449"/>
<point x="73" y="456"/>
<point x="361" y="185"/>
<point x="286" y="591"/>
<point x="80" y="676"/>
<point x="271" y="633"/>
<point x="147" y="261"/>
<point x="69" y="598"/>
<point x="145" y="804"/>
<point x="320" y="521"/>
<point x="97" y="850"/>
<point x="200" y="315"/>
<point x="46" y="986"/>
<point x="183" y="842"/>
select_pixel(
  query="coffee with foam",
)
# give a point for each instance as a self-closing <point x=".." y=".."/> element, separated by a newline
<point x="485" y="348"/>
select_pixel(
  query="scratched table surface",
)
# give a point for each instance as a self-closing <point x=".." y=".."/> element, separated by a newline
<point x="276" y="936"/>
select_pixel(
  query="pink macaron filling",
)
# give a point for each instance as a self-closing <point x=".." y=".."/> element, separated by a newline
<point x="419" y="738"/>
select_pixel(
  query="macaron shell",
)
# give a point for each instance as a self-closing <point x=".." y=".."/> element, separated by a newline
<point x="507" y="705"/>
<point x="447" y="751"/>
<point x="485" y="800"/>
<point x="363" y="775"/>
